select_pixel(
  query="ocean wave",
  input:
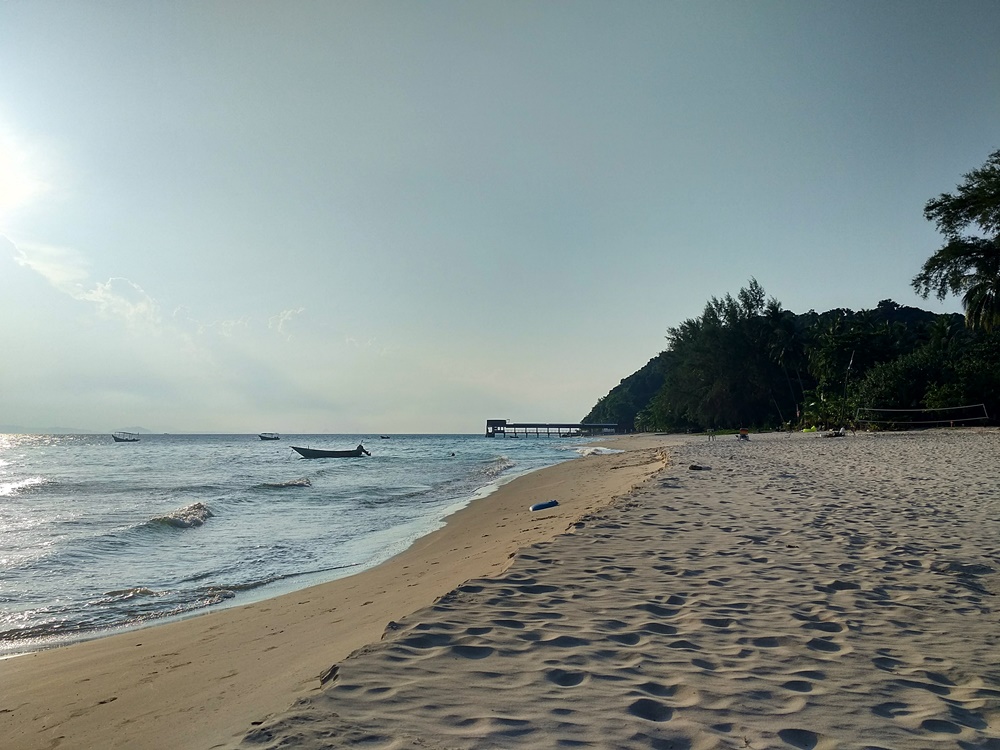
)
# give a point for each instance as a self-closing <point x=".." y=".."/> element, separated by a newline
<point x="595" y="451"/>
<point x="8" y="489"/>
<point x="128" y="607"/>
<point x="498" y="466"/>
<point x="124" y="595"/>
<point x="185" y="518"/>
<point x="302" y="482"/>
<point x="216" y="593"/>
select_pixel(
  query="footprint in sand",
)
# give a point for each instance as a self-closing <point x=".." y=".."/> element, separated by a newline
<point x="658" y="628"/>
<point x="887" y="663"/>
<point x="625" y="639"/>
<point x="514" y="624"/>
<point x="658" y="689"/>
<point x="824" y="645"/>
<point x="565" y="678"/>
<point x="770" y="641"/>
<point x="940" y="726"/>
<point x="651" y="710"/>
<point x="718" y="622"/>
<point x="799" y="738"/>
<point x="798" y="686"/>
<point x="472" y="652"/>
<point x="891" y="709"/>
<point x="826" y="627"/>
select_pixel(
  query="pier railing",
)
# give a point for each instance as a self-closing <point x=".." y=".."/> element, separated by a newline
<point x="505" y="428"/>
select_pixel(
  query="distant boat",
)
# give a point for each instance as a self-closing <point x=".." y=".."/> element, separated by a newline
<point x="269" y="436"/>
<point x="384" y="437"/>
<point x="316" y="453"/>
<point x="125" y="437"/>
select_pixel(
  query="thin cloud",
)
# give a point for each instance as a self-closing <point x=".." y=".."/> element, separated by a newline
<point x="226" y="328"/>
<point x="370" y="345"/>
<point x="66" y="270"/>
<point x="63" y="267"/>
<point x="120" y="298"/>
<point x="279" y="321"/>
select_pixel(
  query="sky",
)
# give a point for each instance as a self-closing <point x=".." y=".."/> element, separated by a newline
<point x="410" y="217"/>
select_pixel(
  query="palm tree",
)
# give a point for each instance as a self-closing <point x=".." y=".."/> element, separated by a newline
<point x="982" y="295"/>
<point x="969" y="262"/>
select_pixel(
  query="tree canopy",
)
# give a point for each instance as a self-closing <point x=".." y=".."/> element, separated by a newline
<point x="748" y="362"/>
<point x="968" y="264"/>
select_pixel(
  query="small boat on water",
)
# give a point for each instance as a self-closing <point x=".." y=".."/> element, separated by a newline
<point x="269" y="436"/>
<point x="317" y="453"/>
<point x="125" y="437"/>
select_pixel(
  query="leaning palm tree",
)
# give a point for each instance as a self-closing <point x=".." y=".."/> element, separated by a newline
<point x="982" y="295"/>
<point x="969" y="262"/>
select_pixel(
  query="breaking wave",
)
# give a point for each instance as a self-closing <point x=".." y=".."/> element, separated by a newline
<point x="498" y="466"/>
<point x="12" y="488"/>
<point x="124" y="595"/>
<point x="594" y="451"/>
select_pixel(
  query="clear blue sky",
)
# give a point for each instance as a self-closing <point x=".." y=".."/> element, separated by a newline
<point x="414" y="216"/>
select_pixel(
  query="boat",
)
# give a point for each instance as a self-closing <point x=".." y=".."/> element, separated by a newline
<point x="384" y="437"/>
<point x="125" y="437"/>
<point x="269" y="436"/>
<point x="317" y="453"/>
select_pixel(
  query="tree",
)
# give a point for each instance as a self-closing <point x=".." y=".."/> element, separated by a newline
<point x="969" y="262"/>
<point x="722" y="373"/>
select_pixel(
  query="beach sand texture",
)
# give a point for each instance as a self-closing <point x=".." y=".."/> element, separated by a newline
<point x="800" y="593"/>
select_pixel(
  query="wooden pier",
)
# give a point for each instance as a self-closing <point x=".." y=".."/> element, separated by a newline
<point x="505" y="428"/>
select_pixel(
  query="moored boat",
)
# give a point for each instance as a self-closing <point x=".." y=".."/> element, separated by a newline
<point x="269" y="436"/>
<point x="318" y="453"/>
<point x="125" y="437"/>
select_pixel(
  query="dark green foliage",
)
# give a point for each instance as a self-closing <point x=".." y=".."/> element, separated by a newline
<point x="969" y="262"/>
<point x="902" y="383"/>
<point x="630" y="396"/>
<point x="746" y="362"/>
<point x="951" y="369"/>
<point x="724" y="373"/>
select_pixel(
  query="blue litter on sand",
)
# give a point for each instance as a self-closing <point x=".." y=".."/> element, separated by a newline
<point x="546" y="504"/>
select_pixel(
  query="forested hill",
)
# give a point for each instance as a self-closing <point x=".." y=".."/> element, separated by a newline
<point x="746" y="362"/>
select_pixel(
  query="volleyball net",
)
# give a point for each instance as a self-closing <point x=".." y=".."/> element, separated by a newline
<point x="947" y="416"/>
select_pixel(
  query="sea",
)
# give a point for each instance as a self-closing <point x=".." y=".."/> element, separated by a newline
<point x="98" y="536"/>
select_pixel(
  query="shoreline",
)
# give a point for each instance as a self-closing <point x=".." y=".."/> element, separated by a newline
<point x="786" y="592"/>
<point x="204" y="680"/>
<point x="275" y="589"/>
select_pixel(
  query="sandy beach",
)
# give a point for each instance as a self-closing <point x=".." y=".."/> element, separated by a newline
<point x="787" y="592"/>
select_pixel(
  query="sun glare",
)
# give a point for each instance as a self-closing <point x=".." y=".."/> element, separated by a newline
<point x="19" y="183"/>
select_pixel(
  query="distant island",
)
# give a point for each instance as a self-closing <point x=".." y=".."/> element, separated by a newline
<point x="17" y="429"/>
